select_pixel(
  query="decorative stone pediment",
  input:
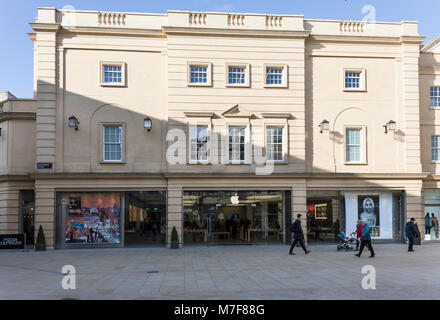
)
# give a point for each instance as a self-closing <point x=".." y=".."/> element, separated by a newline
<point x="237" y="112"/>
<point x="432" y="46"/>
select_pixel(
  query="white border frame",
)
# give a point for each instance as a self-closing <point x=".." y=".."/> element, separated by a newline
<point x="284" y="125"/>
<point x="200" y="64"/>
<point x="284" y="76"/>
<point x="247" y="146"/>
<point x="246" y="83"/>
<point x="435" y="83"/>
<point x="194" y="123"/>
<point x="362" y="80"/>
<point x="363" y="160"/>
<point x="116" y="64"/>
<point x="102" y="125"/>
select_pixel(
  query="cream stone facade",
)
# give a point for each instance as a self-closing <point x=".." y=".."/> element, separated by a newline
<point x="177" y="70"/>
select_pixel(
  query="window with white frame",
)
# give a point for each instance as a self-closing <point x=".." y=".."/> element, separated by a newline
<point x="275" y="76"/>
<point x="434" y="94"/>
<point x="237" y="144"/>
<point x="354" y="80"/>
<point x="274" y="143"/>
<point x="112" y="74"/>
<point x="112" y="143"/>
<point x="353" y="145"/>
<point x="199" y="143"/>
<point x="199" y="74"/>
<point x="237" y="75"/>
<point x="435" y="148"/>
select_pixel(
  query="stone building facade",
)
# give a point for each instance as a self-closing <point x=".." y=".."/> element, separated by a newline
<point x="223" y="126"/>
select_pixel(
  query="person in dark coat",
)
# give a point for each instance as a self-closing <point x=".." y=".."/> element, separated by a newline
<point x="298" y="236"/>
<point x="411" y="233"/>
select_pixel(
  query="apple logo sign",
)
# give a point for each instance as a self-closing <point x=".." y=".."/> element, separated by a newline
<point x="234" y="199"/>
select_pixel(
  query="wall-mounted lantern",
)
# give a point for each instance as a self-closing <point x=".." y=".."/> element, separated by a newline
<point x="73" y="123"/>
<point x="325" y="125"/>
<point x="390" y="126"/>
<point x="148" y="124"/>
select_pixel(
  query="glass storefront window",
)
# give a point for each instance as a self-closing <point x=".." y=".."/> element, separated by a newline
<point x="145" y="218"/>
<point x="381" y="210"/>
<point x="27" y="208"/>
<point x="233" y="217"/>
<point x="432" y="214"/>
<point x="91" y="218"/>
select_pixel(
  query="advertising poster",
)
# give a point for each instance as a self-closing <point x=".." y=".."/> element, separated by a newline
<point x="321" y="211"/>
<point x="310" y="210"/>
<point x="368" y="208"/>
<point x="93" y="218"/>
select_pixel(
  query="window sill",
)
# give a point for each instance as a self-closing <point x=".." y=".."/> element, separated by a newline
<point x="198" y="162"/>
<point x="237" y="85"/>
<point x="112" y="84"/>
<point x="199" y="85"/>
<point x="276" y="162"/>
<point x="355" y="163"/>
<point x="275" y="86"/>
<point x="354" y="90"/>
<point x="112" y="162"/>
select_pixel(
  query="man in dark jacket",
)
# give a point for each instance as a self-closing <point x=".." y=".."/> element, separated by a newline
<point x="298" y="235"/>
<point x="411" y="232"/>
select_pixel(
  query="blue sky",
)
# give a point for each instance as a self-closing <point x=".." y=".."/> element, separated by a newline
<point x="16" y="54"/>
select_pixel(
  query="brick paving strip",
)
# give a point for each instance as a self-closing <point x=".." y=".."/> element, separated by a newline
<point x="237" y="272"/>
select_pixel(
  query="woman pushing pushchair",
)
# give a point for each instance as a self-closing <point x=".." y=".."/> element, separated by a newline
<point x="358" y="234"/>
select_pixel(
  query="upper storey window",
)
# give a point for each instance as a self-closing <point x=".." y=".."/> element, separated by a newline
<point x="435" y="97"/>
<point x="112" y="143"/>
<point x="275" y="76"/>
<point x="112" y="74"/>
<point x="354" y="80"/>
<point x="199" y="74"/>
<point x="237" y="75"/>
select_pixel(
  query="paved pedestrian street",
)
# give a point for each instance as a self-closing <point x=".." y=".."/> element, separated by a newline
<point x="222" y="272"/>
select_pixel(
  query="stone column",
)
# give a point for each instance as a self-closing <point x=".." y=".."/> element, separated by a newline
<point x="45" y="211"/>
<point x="299" y="205"/>
<point x="9" y="209"/>
<point x="175" y="216"/>
<point x="46" y="30"/>
<point x="414" y="207"/>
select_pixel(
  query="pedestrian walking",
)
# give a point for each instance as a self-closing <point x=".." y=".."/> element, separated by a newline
<point x="358" y="234"/>
<point x="434" y="224"/>
<point x="427" y="224"/>
<point x="298" y="235"/>
<point x="411" y="232"/>
<point x="365" y="240"/>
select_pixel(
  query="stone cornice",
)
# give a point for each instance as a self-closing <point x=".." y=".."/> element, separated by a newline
<point x="237" y="32"/>
<point x="4" y="116"/>
<point x="194" y="114"/>
<point x="15" y="177"/>
<point x="193" y="175"/>
<point x="358" y="38"/>
<point x="276" y="115"/>
<point x="114" y="31"/>
<point x="45" y="27"/>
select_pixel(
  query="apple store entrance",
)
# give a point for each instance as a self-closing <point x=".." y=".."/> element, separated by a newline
<point x="234" y="217"/>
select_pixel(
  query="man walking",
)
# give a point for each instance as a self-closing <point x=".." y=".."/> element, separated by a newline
<point x="434" y="224"/>
<point x="411" y="232"/>
<point x="365" y="240"/>
<point x="298" y="235"/>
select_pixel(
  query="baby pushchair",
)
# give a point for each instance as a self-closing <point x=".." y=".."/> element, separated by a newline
<point x="345" y="242"/>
